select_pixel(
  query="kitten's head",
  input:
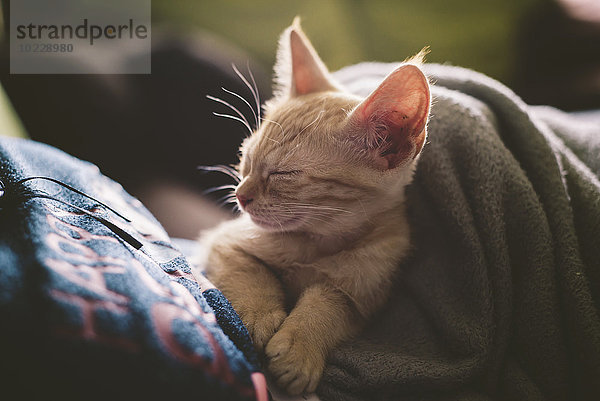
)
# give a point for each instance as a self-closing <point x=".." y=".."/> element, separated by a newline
<point x="325" y="161"/>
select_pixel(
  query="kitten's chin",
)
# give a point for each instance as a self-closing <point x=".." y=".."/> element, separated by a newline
<point x="276" y="225"/>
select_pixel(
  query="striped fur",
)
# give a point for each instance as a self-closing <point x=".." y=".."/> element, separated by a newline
<point x="314" y="251"/>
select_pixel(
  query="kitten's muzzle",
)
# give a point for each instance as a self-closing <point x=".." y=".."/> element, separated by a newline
<point x="244" y="200"/>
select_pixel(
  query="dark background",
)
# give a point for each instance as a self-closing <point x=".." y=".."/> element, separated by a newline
<point x="150" y="132"/>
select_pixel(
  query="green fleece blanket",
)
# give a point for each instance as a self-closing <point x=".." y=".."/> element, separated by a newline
<point x="500" y="298"/>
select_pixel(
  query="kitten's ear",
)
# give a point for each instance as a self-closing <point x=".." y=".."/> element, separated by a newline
<point x="299" y="70"/>
<point x="392" y="122"/>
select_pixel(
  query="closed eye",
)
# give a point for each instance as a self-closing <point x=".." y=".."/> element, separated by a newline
<point x="285" y="173"/>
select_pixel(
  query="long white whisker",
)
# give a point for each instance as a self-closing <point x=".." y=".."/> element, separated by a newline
<point x="330" y="222"/>
<point x="274" y="122"/>
<point x="222" y="169"/>
<point x="243" y="78"/>
<point x="273" y="140"/>
<point x="245" y="101"/>
<point x="316" y="207"/>
<point x="225" y="200"/>
<point x="314" y="121"/>
<point x="277" y="221"/>
<point x="255" y="88"/>
<point x="239" y="113"/>
<point x="324" y="209"/>
<point x="311" y="216"/>
<point x="363" y="208"/>
<point x="220" y="188"/>
<point x="230" y="168"/>
<point x="305" y="211"/>
<point x="235" y="118"/>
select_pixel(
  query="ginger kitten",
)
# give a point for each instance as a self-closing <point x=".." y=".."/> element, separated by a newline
<point x="323" y="224"/>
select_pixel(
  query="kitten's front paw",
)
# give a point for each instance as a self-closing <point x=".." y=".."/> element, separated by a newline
<point x="296" y="366"/>
<point x="263" y="326"/>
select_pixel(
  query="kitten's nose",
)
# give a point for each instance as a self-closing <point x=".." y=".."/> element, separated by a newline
<point x="244" y="200"/>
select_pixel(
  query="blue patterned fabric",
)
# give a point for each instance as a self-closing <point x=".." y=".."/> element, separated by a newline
<point x="86" y="315"/>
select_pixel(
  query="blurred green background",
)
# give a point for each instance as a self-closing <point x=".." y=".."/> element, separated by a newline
<point x="479" y="34"/>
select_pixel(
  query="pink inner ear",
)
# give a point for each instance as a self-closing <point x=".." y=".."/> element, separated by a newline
<point x="393" y="118"/>
<point x="309" y="74"/>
